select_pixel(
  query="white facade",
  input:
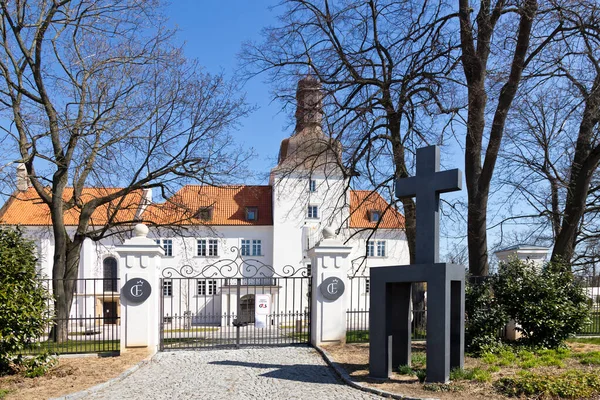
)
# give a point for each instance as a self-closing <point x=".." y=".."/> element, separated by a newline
<point x="304" y="200"/>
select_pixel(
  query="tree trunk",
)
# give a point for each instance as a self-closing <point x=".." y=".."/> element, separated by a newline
<point x="64" y="288"/>
<point x="477" y="236"/>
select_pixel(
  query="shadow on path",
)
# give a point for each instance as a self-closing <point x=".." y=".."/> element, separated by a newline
<point x="296" y="372"/>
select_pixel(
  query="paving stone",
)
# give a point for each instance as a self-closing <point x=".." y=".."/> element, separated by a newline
<point x="248" y="373"/>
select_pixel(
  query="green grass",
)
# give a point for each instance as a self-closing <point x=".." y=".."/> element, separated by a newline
<point x="527" y="359"/>
<point x="196" y="329"/>
<point x="3" y="393"/>
<point x="362" y="336"/>
<point x="589" y="358"/>
<point x="573" y="384"/>
<point x="357" y="336"/>
<point x="442" y="387"/>
<point x="594" y="340"/>
<point x="76" y="346"/>
<point x="470" y="374"/>
<point x="299" y="336"/>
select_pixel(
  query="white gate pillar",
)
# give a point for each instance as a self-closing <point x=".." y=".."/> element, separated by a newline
<point x="140" y="260"/>
<point x="329" y="267"/>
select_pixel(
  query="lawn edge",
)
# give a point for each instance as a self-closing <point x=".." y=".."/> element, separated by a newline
<point x="345" y="377"/>
<point x="110" y="382"/>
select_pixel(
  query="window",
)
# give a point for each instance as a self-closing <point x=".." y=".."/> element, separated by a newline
<point x="208" y="247"/>
<point x="251" y="213"/>
<point x="312" y="185"/>
<point x="256" y="248"/>
<point x="205" y="214"/>
<point x="206" y="287"/>
<point x="110" y="274"/>
<point x="245" y="247"/>
<point x="376" y="248"/>
<point x="167" y="287"/>
<point x="380" y="248"/>
<point x="374" y="215"/>
<point x="251" y="247"/>
<point x="167" y="245"/>
<point x="313" y="212"/>
<point x="213" y="247"/>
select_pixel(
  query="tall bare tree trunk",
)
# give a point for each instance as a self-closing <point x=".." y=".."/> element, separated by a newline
<point x="585" y="162"/>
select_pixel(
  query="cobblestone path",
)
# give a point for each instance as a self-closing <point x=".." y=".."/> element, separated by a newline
<point x="265" y="373"/>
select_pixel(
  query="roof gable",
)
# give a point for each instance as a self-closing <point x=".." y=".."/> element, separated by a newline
<point x="364" y="201"/>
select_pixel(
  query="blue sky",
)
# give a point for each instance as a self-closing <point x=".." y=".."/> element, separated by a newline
<point x="213" y="33"/>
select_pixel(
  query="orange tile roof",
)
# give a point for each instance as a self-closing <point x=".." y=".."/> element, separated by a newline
<point x="363" y="201"/>
<point x="26" y="208"/>
<point x="228" y="206"/>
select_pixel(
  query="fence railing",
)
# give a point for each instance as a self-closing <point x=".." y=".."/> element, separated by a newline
<point x="357" y="315"/>
<point x="93" y="323"/>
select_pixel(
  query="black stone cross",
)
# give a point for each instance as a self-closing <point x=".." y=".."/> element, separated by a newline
<point x="426" y="186"/>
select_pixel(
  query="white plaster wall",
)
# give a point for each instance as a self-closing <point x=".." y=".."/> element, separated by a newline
<point x="293" y="232"/>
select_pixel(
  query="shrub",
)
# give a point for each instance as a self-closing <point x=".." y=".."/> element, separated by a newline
<point x="405" y="370"/>
<point x="548" y="305"/>
<point x="485" y="317"/>
<point x="572" y="384"/>
<point x="23" y="300"/>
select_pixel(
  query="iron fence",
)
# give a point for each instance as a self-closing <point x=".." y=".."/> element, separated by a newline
<point x="222" y="312"/>
<point x="357" y="314"/>
<point x="234" y="302"/>
<point x="93" y="323"/>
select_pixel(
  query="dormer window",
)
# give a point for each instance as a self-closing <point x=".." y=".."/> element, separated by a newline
<point x="205" y="214"/>
<point x="251" y="213"/>
<point x="374" y="215"/>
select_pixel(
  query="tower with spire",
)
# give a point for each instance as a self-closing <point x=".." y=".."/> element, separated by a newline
<point x="308" y="184"/>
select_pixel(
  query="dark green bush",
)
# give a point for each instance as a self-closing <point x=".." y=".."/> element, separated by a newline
<point x="23" y="300"/>
<point x="548" y="304"/>
<point x="485" y="317"/>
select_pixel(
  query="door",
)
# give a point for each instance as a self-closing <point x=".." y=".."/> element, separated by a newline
<point x="110" y="312"/>
<point x="247" y="309"/>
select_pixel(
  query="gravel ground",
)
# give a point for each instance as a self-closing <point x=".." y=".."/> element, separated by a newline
<point x="265" y="373"/>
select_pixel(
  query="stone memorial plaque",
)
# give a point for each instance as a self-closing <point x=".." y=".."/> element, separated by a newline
<point x="136" y="290"/>
<point x="332" y="288"/>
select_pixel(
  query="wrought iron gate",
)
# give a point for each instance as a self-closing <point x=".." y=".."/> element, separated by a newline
<point x="232" y="303"/>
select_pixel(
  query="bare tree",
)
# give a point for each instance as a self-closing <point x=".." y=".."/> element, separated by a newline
<point x="579" y="63"/>
<point x="554" y="150"/>
<point x="98" y="95"/>
<point x="383" y="67"/>
<point x="491" y="33"/>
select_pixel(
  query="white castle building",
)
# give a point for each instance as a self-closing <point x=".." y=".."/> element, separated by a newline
<point x="268" y="227"/>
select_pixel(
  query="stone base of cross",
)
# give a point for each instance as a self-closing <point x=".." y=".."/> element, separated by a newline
<point x="390" y="321"/>
<point x="390" y="315"/>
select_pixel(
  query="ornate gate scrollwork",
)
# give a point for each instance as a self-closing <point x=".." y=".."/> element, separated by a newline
<point x="237" y="267"/>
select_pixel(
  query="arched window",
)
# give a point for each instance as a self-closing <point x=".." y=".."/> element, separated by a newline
<point x="110" y="274"/>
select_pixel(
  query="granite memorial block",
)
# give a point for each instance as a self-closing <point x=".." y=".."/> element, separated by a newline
<point x="390" y="295"/>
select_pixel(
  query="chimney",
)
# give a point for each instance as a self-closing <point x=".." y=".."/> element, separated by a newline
<point x="145" y="201"/>
<point x="22" y="178"/>
<point x="309" y="99"/>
